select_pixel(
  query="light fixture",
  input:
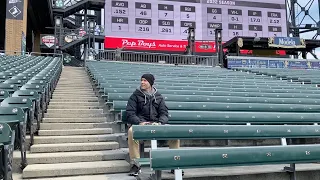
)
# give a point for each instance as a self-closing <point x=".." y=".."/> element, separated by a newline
<point x="219" y="34"/>
<point x="58" y="21"/>
<point x="59" y="4"/>
<point x="191" y="33"/>
<point x="92" y="25"/>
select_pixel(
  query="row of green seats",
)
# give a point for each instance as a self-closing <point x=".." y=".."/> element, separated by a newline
<point x="193" y="82"/>
<point x="210" y="89"/>
<point x="186" y="79"/>
<point x="169" y="132"/>
<point x="235" y="117"/>
<point x="30" y="90"/>
<point x="219" y="93"/>
<point x="218" y="106"/>
<point x="222" y="84"/>
<point x="310" y="76"/>
<point x="167" y="159"/>
<point x="111" y="97"/>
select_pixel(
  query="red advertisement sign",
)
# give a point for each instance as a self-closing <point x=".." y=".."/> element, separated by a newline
<point x="163" y="45"/>
<point x="155" y="45"/>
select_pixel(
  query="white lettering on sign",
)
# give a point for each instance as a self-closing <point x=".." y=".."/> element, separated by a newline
<point x="139" y="43"/>
<point x="287" y="42"/>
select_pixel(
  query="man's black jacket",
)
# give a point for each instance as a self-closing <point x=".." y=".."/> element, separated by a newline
<point x="143" y="107"/>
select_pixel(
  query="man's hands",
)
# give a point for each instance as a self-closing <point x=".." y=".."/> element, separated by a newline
<point x="144" y="123"/>
<point x="149" y="123"/>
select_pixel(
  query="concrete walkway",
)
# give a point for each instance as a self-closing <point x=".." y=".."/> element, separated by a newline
<point x="75" y="137"/>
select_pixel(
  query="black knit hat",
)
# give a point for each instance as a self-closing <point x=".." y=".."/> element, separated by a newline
<point x="149" y="78"/>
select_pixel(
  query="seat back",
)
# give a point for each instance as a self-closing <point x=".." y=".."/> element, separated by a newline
<point x="34" y="87"/>
<point x="9" y="87"/>
<point x="3" y="95"/>
<point x="11" y="115"/>
<point x="21" y="102"/>
<point x="31" y="94"/>
<point x="5" y="133"/>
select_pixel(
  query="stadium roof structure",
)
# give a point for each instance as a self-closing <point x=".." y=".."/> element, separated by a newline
<point x="252" y="43"/>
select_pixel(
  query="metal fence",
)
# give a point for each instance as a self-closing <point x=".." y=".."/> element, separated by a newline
<point x="19" y="53"/>
<point x="131" y="56"/>
<point x="13" y="53"/>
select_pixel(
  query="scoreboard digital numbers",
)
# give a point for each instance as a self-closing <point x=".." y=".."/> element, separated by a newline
<point x="170" y="19"/>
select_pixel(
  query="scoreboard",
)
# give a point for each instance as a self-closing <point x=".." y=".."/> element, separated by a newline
<point x="170" y="19"/>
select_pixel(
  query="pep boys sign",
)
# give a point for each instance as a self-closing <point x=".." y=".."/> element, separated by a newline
<point x="138" y="43"/>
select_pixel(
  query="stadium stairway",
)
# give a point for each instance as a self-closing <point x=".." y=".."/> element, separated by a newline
<point x="75" y="138"/>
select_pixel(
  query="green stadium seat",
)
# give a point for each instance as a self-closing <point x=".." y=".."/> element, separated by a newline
<point x="169" y="132"/>
<point x="16" y="82"/>
<point x="46" y="89"/>
<point x="15" y="118"/>
<point x="29" y="109"/>
<point x="20" y="77"/>
<point x="11" y="88"/>
<point x="7" y="137"/>
<point x="162" y="159"/>
<point x="36" y="100"/>
<point x="3" y="95"/>
<point x="3" y="78"/>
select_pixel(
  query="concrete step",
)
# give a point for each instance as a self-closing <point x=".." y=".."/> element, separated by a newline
<point x="66" y="88"/>
<point x="73" y="96"/>
<point x="73" y="107"/>
<point x="75" y="92"/>
<point x="69" y="132"/>
<point x="74" y="75"/>
<point x="67" y="77"/>
<point x="75" y="79"/>
<point x="93" y="99"/>
<point x="55" y="115"/>
<point x="75" y="139"/>
<point x="74" y="120"/>
<point x="81" y="168"/>
<point x="82" y="85"/>
<point x="60" y="94"/>
<point x="75" y="111"/>
<point x="73" y="147"/>
<point x="72" y="90"/>
<point x="118" y="176"/>
<point x="60" y="126"/>
<point x="72" y="84"/>
<point x="73" y="103"/>
<point x="71" y="157"/>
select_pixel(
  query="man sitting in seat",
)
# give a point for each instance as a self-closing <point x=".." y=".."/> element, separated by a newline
<point x="145" y="106"/>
